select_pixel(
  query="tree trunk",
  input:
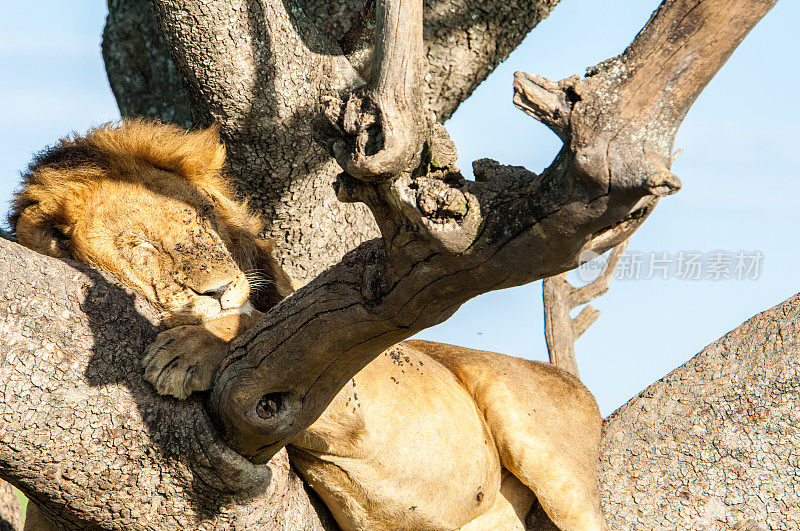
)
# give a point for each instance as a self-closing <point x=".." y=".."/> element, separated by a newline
<point x="86" y="438"/>
<point x="715" y="442"/>
<point x="89" y="441"/>
<point x="142" y="75"/>
<point x="464" y="43"/>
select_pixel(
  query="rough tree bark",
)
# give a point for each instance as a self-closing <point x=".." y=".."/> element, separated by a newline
<point x="141" y="72"/>
<point x="464" y="42"/>
<point x="69" y="366"/>
<point x="714" y="444"/>
<point x="273" y="158"/>
<point x="10" y="510"/>
<point x="104" y="451"/>
<point x="736" y="458"/>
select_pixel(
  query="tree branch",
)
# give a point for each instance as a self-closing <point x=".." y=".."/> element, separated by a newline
<point x="10" y="511"/>
<point x="86" y="438"/>
<point x="464" y="43"/>
<point x="446" y="240"/>
<point x="599" y="286"/>
<point x="559" y="298"/>
<point x="386" y="120"/>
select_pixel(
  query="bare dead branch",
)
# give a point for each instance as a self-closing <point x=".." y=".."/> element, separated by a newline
<point x="386" y="121"/>
<point x="446" y="240"/>
<point x="584" y="320"/>
<point x="558" y="326"/>
<point x="544" y="100"/>
<point x="559" y="298"/>
<point x="598" y="286"/>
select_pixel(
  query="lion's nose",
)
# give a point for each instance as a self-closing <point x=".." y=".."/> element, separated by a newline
<point x="229" y="292"/>
<point x="217" y="291"/>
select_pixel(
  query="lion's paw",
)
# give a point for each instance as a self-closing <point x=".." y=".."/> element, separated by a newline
<point x="183" y="360"/>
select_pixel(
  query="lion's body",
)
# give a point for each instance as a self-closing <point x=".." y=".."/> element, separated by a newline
<point x="427" y="436"/>
<point x="461" y="419"/>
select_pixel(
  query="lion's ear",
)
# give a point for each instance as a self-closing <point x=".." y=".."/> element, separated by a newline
<point x="38" y="230"/>
<point x="44" y="212"/>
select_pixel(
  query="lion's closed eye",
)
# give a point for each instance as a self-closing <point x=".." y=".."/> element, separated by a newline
<point x="141" y="253"/>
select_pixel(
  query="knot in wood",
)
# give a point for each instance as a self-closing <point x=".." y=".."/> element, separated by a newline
<point x="440" y="202"/>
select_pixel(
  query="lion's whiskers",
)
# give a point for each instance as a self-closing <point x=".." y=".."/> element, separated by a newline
<point x="257" y="278"/>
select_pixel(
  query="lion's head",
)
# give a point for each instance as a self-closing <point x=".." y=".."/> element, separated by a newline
<point x="147" y="202"/>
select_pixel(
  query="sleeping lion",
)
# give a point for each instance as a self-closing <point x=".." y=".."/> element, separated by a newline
<point x="428" y="437"/>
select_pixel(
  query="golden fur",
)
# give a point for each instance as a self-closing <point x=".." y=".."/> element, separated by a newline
<point x="428" y="436"/>
<point x="148" y="203"/>
<point x="109" y="197"/>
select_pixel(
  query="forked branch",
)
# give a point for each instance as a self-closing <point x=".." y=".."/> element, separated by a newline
<point x="386" y="119"/>
<point x="445" y="239"/>
<point x="560" y="298"/>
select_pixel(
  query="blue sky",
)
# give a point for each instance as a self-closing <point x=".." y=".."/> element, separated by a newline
<point x="739" y="170"/>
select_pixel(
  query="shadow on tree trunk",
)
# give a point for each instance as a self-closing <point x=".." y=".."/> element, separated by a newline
<point x="88" y="439"/>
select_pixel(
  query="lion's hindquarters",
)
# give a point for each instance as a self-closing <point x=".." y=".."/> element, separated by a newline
<point x="509" y="510"/>
<point x="403" y="446"/>
<point x="546" y="426"/>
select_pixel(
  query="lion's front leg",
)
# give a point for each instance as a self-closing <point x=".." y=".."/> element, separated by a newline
<point x="185" y="359"/>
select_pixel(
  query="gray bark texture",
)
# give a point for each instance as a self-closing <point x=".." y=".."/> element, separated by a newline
<point x="87" y="439"/>
<point x="10" y="511"/>
<point x="715" y="442"/>
<point x="142" y="75"/>
<point x="464" y="43"/>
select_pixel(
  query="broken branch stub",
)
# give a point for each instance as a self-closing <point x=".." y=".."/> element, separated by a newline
<point x="384" y="123"/>
<point x="397" y="160"/>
